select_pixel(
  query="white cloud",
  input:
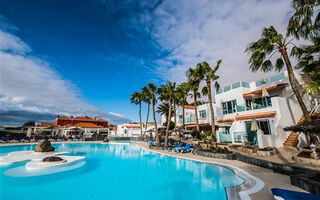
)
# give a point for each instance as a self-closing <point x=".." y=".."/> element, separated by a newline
<point x="194" y="31"/>
<point x="9" y="42"/>
<point x="31" y="85"/>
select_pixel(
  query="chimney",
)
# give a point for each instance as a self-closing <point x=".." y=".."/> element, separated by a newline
<point x="71" y="116"/>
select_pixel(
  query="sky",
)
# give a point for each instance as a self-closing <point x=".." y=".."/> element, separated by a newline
<point x="85" y="57"/>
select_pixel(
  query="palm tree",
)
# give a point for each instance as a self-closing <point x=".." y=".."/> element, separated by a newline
<point x="182" y="95"/>
<point x="163" y="109"/>
<point x="209" y="75"/>
<point x="272" y="42"/>
<point x="153" y="92"/>
<point x="166" y="93"/>
<point x="194" y="84"/>
<point x="305" y="21"/>
<point x="146" y="97"/>
<point x="136" y="98"/>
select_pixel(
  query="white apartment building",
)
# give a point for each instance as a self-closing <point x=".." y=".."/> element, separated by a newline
<point x="238" y="104"/>
<point x="133" y="130"/>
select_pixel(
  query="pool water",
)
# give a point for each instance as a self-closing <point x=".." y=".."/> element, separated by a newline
<point x="115" y="171"/>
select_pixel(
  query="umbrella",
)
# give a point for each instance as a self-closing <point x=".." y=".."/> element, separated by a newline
<point x="264" y="93"/>
<point x="254" y="125"/>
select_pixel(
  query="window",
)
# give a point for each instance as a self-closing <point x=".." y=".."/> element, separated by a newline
<point x="262" y="103"/>
<point x="264" y="125"/>
<point x="203" y="114"/>
<point x="229" y="107"/>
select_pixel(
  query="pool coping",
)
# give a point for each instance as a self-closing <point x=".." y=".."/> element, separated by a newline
<point x="250" y="185"/>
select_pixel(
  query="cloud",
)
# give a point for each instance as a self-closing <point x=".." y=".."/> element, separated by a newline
<point x="194" y="31"/>
<point x="32" y="90"/>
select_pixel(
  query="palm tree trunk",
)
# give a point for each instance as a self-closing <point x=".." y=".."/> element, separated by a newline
<point x="168" y="123"/>
<point x="140" y="119"/>
<point x="183" y="122"/>
<point x="175" y="114"/>
<point x="213" y="128"/>
<point x="147" y="117"/>
<point x="196" y="110"/>
<point x="154" y="121"/>
<point x="292" y="81"/>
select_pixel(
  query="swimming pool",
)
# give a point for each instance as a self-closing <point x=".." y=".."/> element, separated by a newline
<point x="116" y="171"/>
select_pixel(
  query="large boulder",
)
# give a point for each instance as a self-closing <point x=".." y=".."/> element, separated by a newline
<point x="52" y="159"/>
<point x="44" y="146"/>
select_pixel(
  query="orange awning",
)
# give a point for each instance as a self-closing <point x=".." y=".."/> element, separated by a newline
<point x="195" y="125"/>
<point x="258" y="115"/>
<point x="267" y="88"/>
<point x="188" y="107"/>
<point x="225" y="120"/>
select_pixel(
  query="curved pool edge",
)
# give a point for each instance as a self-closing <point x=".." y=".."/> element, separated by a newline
<point x="250" y="185"/>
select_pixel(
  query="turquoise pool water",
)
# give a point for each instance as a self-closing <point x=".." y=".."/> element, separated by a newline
<point x="115" y="171"/>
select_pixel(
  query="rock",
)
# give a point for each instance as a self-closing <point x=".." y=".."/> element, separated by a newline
<point x="52" y="159"/>
<point x="106" y="139"/>
<point x="44" y="146"/>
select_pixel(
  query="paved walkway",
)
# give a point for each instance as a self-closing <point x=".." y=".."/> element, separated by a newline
<point x="269" y="178"/>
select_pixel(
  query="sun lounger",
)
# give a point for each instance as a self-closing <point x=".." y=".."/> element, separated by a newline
<point x="26" y="139"/>
<point x="16" y="139"/>
<point x="187" y="148"/>
<point x="60" y="138"/>
<point x="4" y="139"/>
<point x="70" y="138"/>
<point x="171" y="148"/>
<point x="46" y="138"/>
<point x="36" y="139"/>
<point x="280" y="194"/>
<point x="77" y="138"/>
<point x="54" y="138"/>
<point x="177" y="149"/>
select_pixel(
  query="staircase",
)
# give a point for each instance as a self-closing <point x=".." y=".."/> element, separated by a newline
<point x="292" y="140"/>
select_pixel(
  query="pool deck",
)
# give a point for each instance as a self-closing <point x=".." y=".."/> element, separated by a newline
<point x="258" y="184"/>
<point x="268" y="177"/>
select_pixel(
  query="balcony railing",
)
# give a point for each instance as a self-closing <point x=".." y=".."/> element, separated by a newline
<point x="253" y="106"/>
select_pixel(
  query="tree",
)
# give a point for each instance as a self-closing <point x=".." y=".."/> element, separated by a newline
<point x="194" y="80"/>
<point x="182" y="95"/>
<point x="166" y="93"/>
<point x="163" y="109"/>
<point x="270" y="43"/>
<point x="209" y="76"/>
<point x="146" y="97"/>
<point x="153" y="92"/>
<point x="305" y="23"/>
<point x="136" y="98"/>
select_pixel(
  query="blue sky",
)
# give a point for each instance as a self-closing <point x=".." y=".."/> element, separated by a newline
<point x="98" y="52"/>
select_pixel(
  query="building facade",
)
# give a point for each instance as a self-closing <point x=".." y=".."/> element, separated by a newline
<point x="270" y="103"/>
<point x="64" y="126"/>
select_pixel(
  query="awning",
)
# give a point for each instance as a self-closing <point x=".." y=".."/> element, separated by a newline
<point x="257" y="115"/>
<point x="225" y="120"/>
<point x="280" y="85"/>
<point x="195" y="125"/>
<point x="224" y="124"/>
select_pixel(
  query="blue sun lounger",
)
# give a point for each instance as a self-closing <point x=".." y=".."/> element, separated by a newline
<point x="177" y="147"/>
<point x="4" y="139"/>
<point x="187" y="148"/>
<point x="293" y="195"/>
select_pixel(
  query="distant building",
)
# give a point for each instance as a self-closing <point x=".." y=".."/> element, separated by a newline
<point x="64" y="125"/>
<point x="133" y="130"/>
